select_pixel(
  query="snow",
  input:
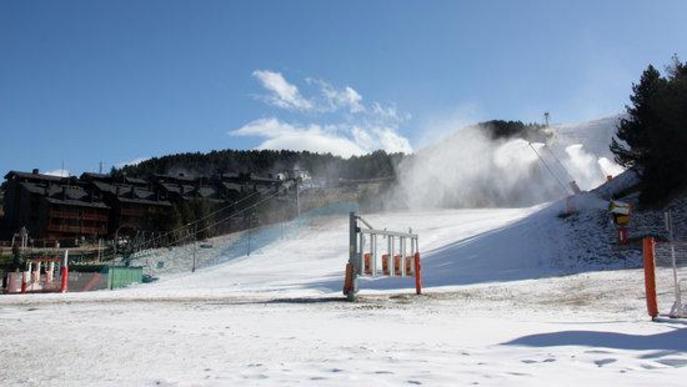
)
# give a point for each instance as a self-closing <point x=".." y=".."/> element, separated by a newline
<point x="586" y="147"/>
<point x="519" y="296"/>
<point x="594" y="135"/>
<point x="511" y="298"/>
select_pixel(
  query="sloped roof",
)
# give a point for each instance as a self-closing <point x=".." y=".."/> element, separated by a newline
<point x="232" y="186"/>
<point x="94" y="176"/>
<point x="34" y="176"/>
<point x="175" y="178"/>
<point x="104" y="187"/>
<point x="135" y="180"/>
<point x="206" y="191"/>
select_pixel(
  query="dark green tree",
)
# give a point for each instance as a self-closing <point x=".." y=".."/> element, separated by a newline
<point x="653" y="137"/>
<point x="634" y="131"/>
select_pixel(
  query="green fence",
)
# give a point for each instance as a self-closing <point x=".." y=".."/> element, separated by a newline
<point x="119" y="277"/>
<point x="84" y="278"/>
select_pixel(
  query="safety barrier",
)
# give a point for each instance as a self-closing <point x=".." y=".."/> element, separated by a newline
<point x="401" y="256"/>
<point x="40" y="276"/>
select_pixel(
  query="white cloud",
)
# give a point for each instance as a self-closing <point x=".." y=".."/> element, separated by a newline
<point x="337" y="140"/>
<point x="388" y="114"/>
<point x="282" y="93"/>
<point x="331" y="99"/>
<point x="351" y="98"/>
<point x="343" y="125"/>
<point x="280" y="135"/>
<point x="334" y="99"/>
<point x="58" y="172"/>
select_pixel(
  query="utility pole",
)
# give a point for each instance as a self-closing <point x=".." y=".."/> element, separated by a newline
<point x="250" y="224"/>
<point x="547" y="116"/>
<point x="193" y="268"/>
<point x="298" y="199"/>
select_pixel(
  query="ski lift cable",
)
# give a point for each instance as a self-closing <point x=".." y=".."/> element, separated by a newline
<point x="233" y="215"/>
<point x="548" y="148"/>
<point x="546" y="165"/>
<point x="188" y="226"/>
<point x="181" y="228"/>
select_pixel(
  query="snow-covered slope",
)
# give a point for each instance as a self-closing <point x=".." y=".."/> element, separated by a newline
<point x="458" y="247"/>
<point x="594" y="135"/>
<point x="584" y="148"/>
<point x="495" y="312"/>
<point x="470" y="169"/>
<point x="516" y="296"/>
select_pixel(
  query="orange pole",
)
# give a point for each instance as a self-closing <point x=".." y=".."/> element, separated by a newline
<point x="23" y="282"/>
<point x="650" y="276"/>
<point x="348" y="279"/>
<point x="397" y="265"/>
<point x="418" y="274"/>
<point x="368" y="263"/>
<point x="65" y="279"/>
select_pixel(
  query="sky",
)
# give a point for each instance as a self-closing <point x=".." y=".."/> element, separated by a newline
<point x="85" y="82"/>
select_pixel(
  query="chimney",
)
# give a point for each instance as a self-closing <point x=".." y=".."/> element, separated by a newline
<point x="35" y="171"/>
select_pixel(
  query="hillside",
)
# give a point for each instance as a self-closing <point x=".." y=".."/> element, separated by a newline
<point x="276" y="316"/>
<point x="471" y="169"/>
<point x="322" y="167"/>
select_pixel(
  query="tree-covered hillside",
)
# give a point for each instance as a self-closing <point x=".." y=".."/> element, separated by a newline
<point x="319" y="166"/>
<point x="497" y="129"/>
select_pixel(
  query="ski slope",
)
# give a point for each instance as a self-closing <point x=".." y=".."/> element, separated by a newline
<point x="496" y="311"/>
<point x="312" y="261"/>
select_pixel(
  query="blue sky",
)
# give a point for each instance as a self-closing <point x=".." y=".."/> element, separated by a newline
<point x="116" y="81"/>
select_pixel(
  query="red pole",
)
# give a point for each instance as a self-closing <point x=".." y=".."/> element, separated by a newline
<point x="65" y="273"/>
<point x="418" y="274"/>
<point x="650" y="276"/>
<point x="348" y="279"/>
<point x="65" y="279"/>
<point x="23" y="282"/>
<point x="622" y="235"/>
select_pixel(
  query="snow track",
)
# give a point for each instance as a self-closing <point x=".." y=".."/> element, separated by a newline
<point x="496" y="312"/>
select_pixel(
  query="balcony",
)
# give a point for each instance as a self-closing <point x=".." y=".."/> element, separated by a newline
<point x="93" y="216"/>
<point x="134" y="212"/>
<point x="81" y="230"/>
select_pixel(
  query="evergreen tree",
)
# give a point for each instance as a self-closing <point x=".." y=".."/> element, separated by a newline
<point x="653" y="138"/>
<point x="642" y="117"/>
